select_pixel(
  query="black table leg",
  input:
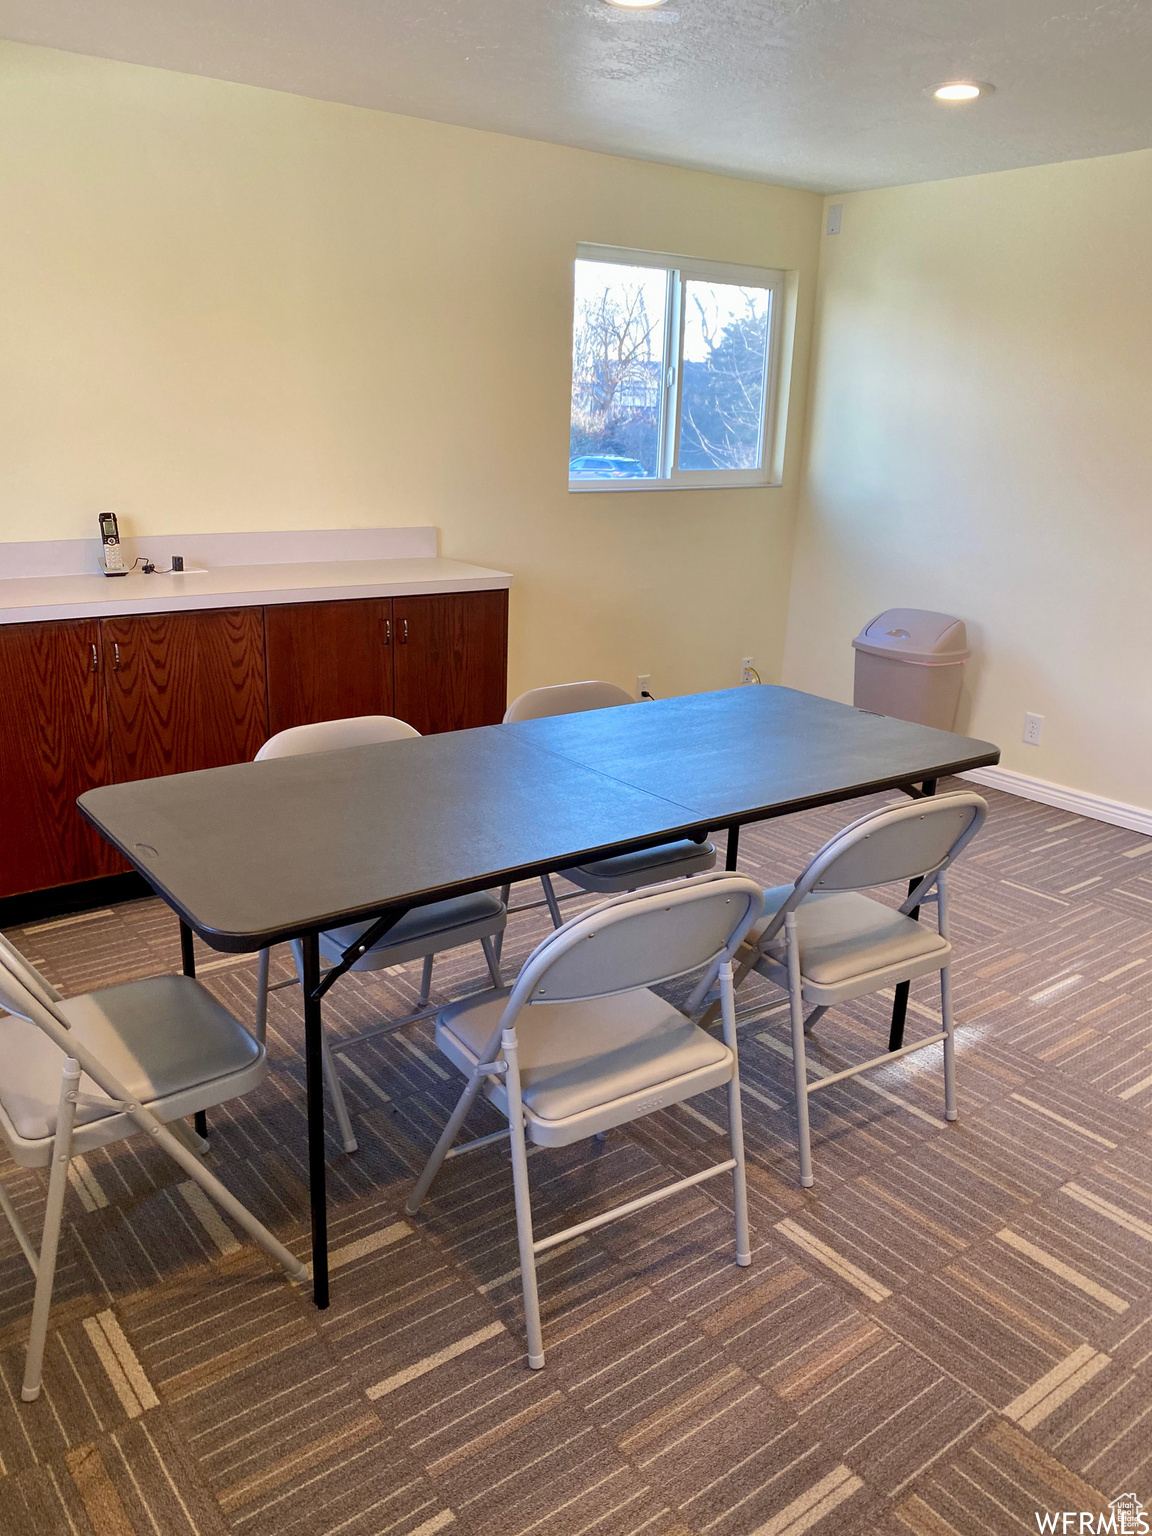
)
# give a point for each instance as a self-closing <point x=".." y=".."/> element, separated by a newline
<point x="188" y="959"/>
<point x="187" y="953"/>
<point x="314" y="1066"/>
<point x="899" y="1013"/>
<point x="900" y="1001"/>
<point x="733" y="852"/>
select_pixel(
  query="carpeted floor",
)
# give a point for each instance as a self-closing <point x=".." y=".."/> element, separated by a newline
<point x="949" y="1333"/>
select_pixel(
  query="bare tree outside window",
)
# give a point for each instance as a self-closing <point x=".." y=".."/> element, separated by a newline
<point x="725" y="357"/>
<point x="617" y="371"/>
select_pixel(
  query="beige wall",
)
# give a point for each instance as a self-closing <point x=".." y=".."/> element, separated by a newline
<point x="229" y="308"/>
<point x="981" y="442"/>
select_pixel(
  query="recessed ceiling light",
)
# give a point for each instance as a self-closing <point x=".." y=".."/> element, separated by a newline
<point x="637" y="5"/>
<point x="960" y="90"/>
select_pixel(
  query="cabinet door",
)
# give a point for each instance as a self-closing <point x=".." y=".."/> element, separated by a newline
<point x="185" y="690"/>
<point x="451" y="659"/>
<point x="53" y="746"/>
<point x="328" y="661"/>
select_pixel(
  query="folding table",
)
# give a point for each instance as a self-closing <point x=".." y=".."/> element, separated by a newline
<point x="255" y="854"/>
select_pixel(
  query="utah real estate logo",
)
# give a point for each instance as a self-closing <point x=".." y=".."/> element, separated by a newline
<point x="1125" y="1517"/>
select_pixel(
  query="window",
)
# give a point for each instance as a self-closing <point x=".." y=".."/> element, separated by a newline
<point x="674" y="367"/>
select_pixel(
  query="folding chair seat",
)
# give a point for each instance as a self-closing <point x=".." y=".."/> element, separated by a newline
<point x="850" y="944"/>
<point x="421" y="933"/>
<point x="649" y="866"/>
<point x="166" y="1039"/>
<point x="588" y="1066"/>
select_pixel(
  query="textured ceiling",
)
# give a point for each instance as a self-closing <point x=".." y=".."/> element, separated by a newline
<point x="827" y="94"/>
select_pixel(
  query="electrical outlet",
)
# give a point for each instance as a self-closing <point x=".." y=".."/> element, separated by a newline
<point x="1033" y="725"/>
<point x="643" y="686"/>
<point x="748" y="673"/>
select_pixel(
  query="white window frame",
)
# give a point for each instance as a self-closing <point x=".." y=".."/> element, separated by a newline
<point x="685" y="269"/>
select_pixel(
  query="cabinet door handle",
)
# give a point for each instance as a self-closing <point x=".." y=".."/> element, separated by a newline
<point x="95" y="659"/>
<point x="387" y="631"/>
<point x="115" y="656"/>
<point x="403" y="631"/>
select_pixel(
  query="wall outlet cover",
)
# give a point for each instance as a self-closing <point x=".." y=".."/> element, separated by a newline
<point x="1033" y="726"/>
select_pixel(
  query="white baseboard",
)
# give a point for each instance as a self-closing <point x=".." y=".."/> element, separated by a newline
<point x="1120" y="814"/>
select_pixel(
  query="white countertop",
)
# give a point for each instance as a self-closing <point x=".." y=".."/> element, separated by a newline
<point x="28" y="599"/>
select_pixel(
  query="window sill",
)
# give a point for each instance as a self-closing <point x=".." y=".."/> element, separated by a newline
<point x="582" y="487"/>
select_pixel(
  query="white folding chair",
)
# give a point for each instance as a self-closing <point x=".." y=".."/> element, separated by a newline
<point x="825" y="942"/>
<point x="581" y="1043"/>
<point x="419" y="935"/>
<point x="83" y="1072"/>
<point x="621" y="872"/>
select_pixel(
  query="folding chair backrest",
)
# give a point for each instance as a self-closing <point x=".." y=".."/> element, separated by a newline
<point x="332" y="735"/>
<point x="639" y="940"/>
<point x="24" y="992"/>
<point x="18" y="977"/>
<point x="901" y="842"/>
<point x="565" y="699"/>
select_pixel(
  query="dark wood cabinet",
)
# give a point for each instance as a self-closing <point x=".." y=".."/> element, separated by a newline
<point x="438" y="662"/>
<point x="53" y="746"/>
<point x="94" y="701"/>
<point x="185" y="690"/>
<point x="327" y="661"/>
<point x="451" y="660"/>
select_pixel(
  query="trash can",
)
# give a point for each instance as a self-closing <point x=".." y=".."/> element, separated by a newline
<point x="910" y="663"/>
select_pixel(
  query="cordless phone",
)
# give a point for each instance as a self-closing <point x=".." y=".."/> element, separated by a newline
<point x="111" y="554"/>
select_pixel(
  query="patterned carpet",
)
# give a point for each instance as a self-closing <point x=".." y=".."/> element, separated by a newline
<point x="949" y="1333"/>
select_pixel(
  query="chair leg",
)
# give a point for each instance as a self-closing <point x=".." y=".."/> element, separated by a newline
<point x="492" y="956"/>
<point x="425" y="981"/>
<point x="950" y="1110"/>
<point x="702" y="988"/>
<point x="553" y="904"/>
<point x="50" y="1242"/>
<point x="747" y="956"/>
<point x="162" y="1137"/>
<point x="336" y="1094"/>
<point x="222" y="1195"/>
<point x="262" y="995"/>
<point x="735" y="1119"/>
<point x="813" y="1019"/>
<point x="523" y="1203"/>
<point x="505" y="893"/>
<point x="447" y="1136"/>
<point x="185" y="1134"/>
<point x="799" y="1058"/>
<point x="17" y="1228"/>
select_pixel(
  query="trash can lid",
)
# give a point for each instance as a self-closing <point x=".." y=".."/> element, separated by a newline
<point x="916" y="635"/>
